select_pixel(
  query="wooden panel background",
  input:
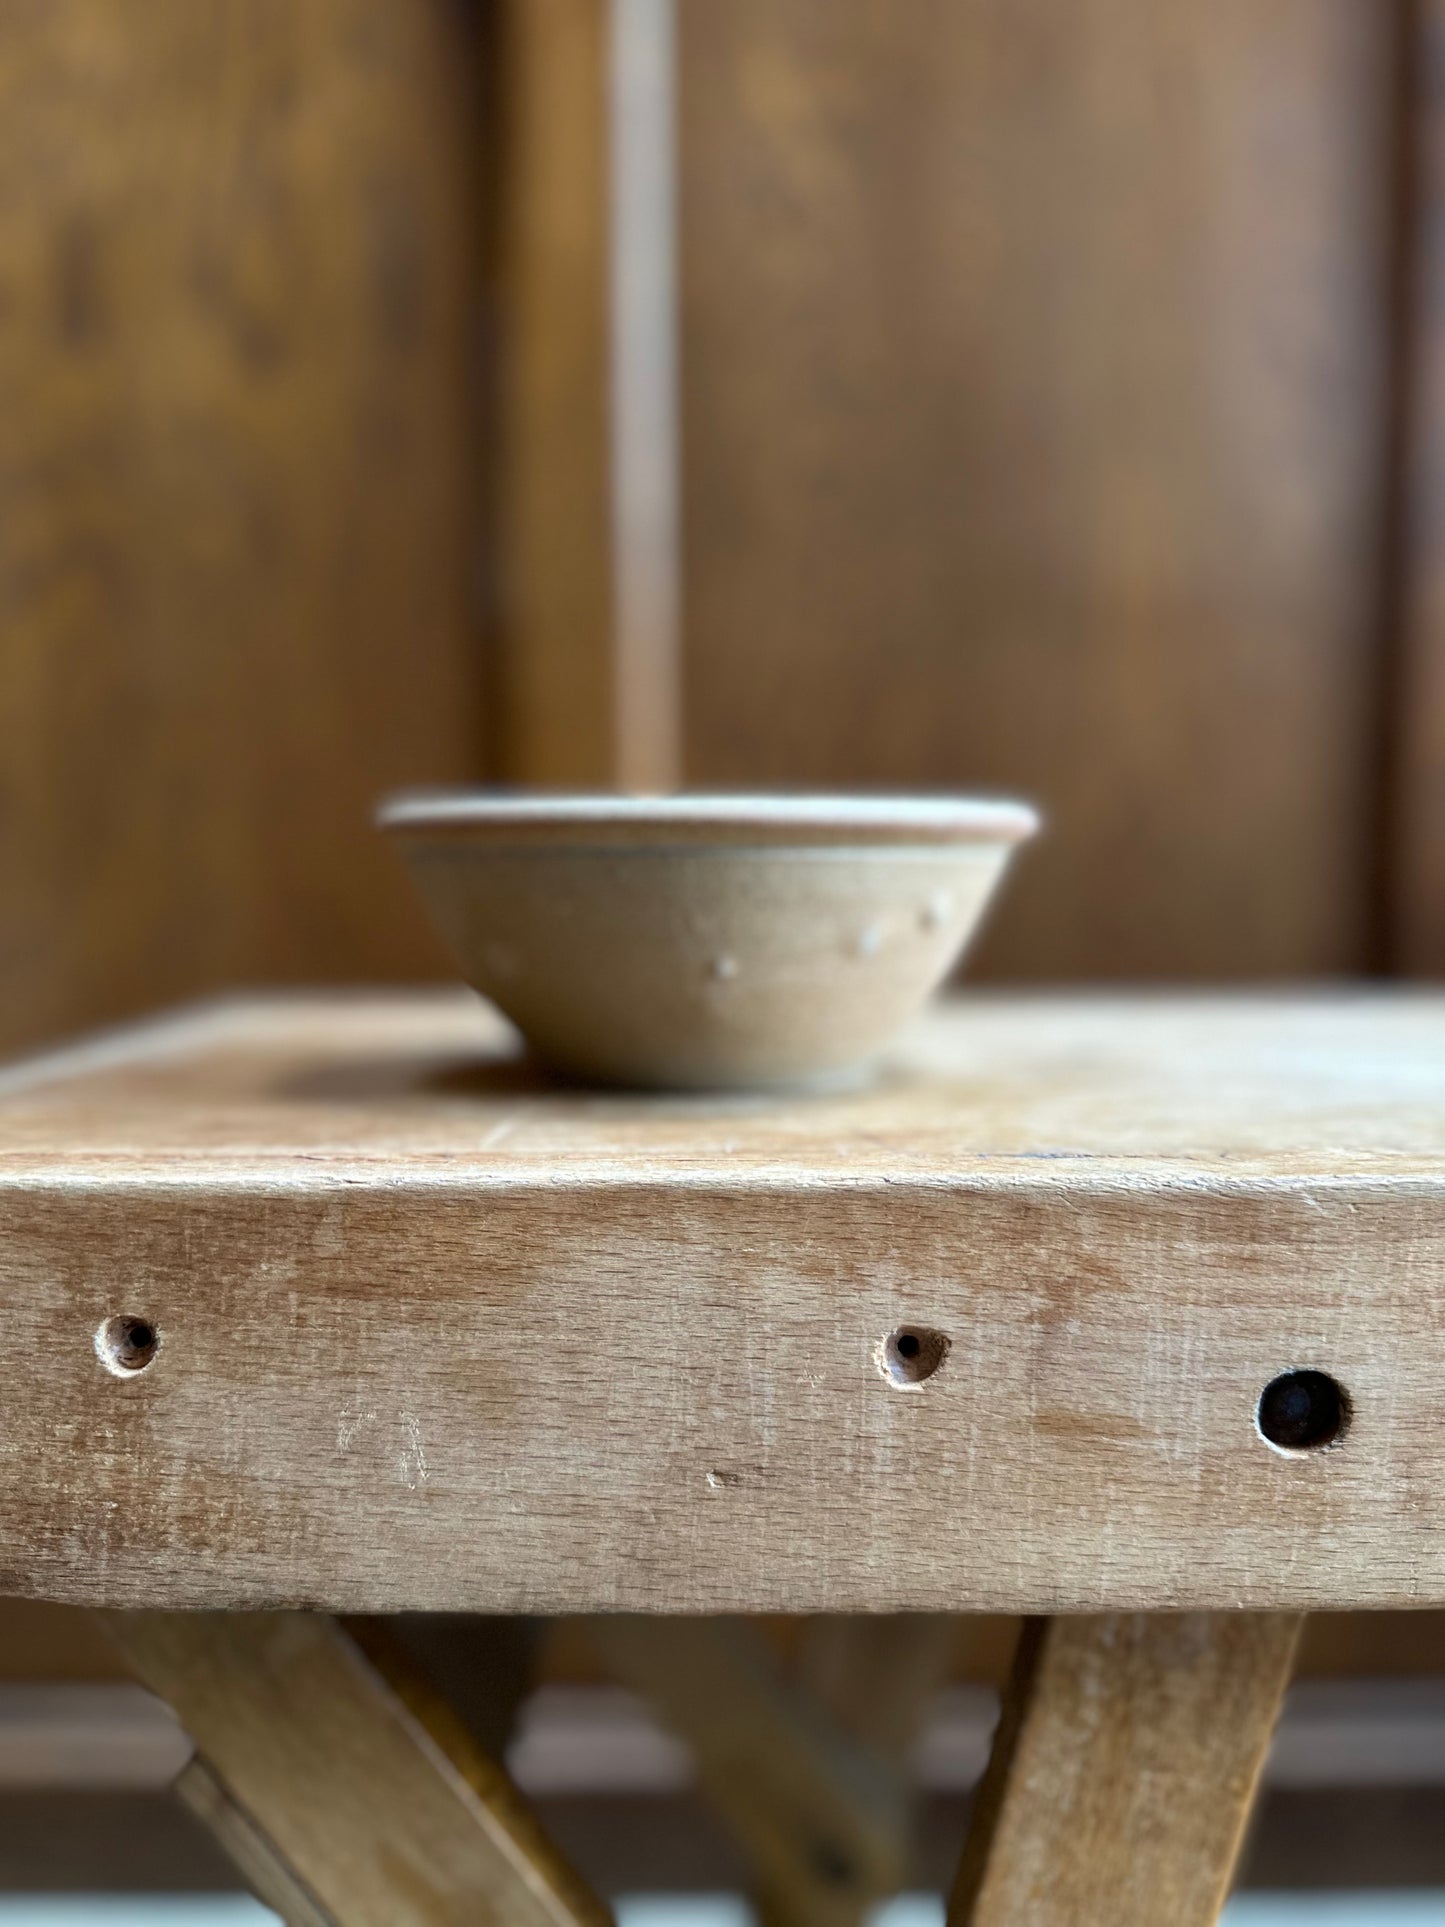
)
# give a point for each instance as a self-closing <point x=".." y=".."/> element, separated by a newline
<point x="237" y="510"/>
<point x="1414" y="822"/>
<point x="1034" y="368"/>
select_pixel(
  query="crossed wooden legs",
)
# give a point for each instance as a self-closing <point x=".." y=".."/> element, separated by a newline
<point x="817" y="1805"/>
<point x="345" y="1792"/>
<point x="1121" y="1779"/>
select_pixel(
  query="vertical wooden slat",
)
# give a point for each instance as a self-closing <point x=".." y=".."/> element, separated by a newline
<point x="1123" y="1770"/>
<point x="648" y="693"/>
<point x="554" y="533"/>
<point x="587" y="682"/>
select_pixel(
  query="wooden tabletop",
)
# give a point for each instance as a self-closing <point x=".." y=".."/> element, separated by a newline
<point x="416" y="1327"/>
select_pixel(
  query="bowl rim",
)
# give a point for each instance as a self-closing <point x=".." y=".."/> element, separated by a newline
<point x="722" y="818"/>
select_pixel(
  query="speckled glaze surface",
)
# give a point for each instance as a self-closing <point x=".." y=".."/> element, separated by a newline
<point x="710" y="941"/>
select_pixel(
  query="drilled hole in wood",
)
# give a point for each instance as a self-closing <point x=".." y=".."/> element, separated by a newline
<point x="125" y="1345"/>
<point x="1303" y="1411"/>
<point x="912" y="1354"/>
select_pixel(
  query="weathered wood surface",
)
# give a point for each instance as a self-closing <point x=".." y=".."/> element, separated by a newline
<point x="340" y="1783"/>
<point x="1123" y="1770"/>
<point x="435" y="1334"/>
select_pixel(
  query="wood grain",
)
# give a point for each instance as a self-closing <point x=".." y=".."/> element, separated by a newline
<point x="1032" y="424"/>
<point x="236" y="489"/>
<point x="435" y="1335"/>
<point x="1124" y="1770"/>
<point x="355" y="1780"/>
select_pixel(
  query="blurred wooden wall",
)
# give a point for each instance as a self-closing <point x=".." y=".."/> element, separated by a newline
<point x="238" y="487"/>
<point x="1060" y="411"/>
<point x="1035" y="386"/>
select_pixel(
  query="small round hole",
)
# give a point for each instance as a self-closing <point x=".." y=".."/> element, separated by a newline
<point x="126" y="1345"/>
<point x="912" y="1353"/>
<point x="1303" y="1411"/>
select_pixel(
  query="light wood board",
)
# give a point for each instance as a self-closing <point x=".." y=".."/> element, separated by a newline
<point x="435" y="1334"/>
<point x="340" y="1785"/>
<point x="1124" y="1770"/>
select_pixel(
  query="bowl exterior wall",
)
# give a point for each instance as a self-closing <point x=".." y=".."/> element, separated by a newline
<point x="705" y="967"/>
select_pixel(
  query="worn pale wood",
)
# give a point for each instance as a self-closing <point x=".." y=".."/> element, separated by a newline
<point x="358" y="1782"/>
<point x="1123" y="1770"/>
<point x="820" y="1817"/>
<point x="435" y="1334"/>
<point x="1032" y="375"/>
<point x="255" y="1859"/>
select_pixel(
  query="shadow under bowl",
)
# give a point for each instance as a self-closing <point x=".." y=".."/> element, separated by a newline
<point x="708" y="941"/>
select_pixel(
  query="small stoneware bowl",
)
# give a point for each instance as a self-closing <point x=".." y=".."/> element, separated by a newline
<point x="705" y="941"/>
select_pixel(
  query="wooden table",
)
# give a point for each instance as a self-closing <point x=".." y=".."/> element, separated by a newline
<point x="333" y="1303"/>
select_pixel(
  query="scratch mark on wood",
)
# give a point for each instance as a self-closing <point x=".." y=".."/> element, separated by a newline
<point x="348" y="1424"/>
<point x="412" y="1462"/>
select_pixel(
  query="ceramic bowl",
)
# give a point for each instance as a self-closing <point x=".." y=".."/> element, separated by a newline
<point x="706" y="941"/>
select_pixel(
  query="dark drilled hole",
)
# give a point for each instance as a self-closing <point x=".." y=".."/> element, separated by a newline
<point x="127" y="1344"/>
<point x="913" y="1353"/>
<point x="1302" y="1411"/>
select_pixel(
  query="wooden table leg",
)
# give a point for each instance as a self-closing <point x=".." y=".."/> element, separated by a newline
<point x="819" y="1816"/>
<point x="874" y="1674"/>
<point x="340" y="1785"/>
<point x="248" y="1847"/>
<point x="1123" y="1770"/>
